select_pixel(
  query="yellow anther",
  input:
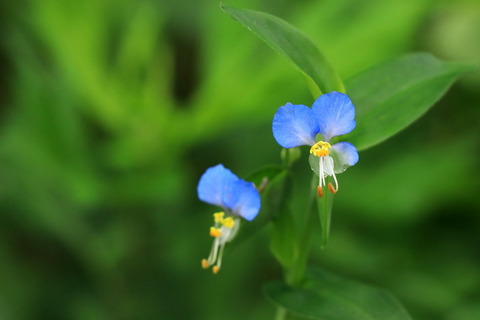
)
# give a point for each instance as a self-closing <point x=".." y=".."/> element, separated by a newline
<point x="228" y="222"/>
<point x="215" y="269"/>
<point x="320" y="149"/>
<point x="215" y="232"/>
<point x="217" y="217"/>
<point x="205" y="264"/>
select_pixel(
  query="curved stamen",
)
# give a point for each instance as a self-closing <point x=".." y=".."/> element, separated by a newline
<point x="320" y="167"/>
<point x="329" y="167"/>
<point x="213" y="253"/>
<point x="321" y="173"/>
<point x="223" y="231"/>
<point x="336" y="182"/>
<point x="216" y="268"/>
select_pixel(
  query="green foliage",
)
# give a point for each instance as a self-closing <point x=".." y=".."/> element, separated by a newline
<point x="292" y="45"/>
<point x="326" y="296"/>
<point x="275" y="187"/>
<point x="284" y="232"/>
<point x="389" y="97"/>
<point x="272" y="184"/>
<point x="111" y="110"/>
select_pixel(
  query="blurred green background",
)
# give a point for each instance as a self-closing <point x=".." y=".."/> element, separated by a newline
<point x="111" y="111"/>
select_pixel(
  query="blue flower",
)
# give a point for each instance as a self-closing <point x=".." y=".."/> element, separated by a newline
<point x="237" y="197"/>
<point x="331" y="115"/>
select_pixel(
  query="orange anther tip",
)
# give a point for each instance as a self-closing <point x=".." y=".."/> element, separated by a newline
<point x="214" y="232"/>
<point x="215" y="269"/>
<point x="319" y="191"/>
<point x="205" y="264"/>
<point x="331" y="188"/>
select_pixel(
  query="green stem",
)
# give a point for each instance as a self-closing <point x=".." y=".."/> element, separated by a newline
<point x="281" y="314"/>
<point x="297" y="272"/>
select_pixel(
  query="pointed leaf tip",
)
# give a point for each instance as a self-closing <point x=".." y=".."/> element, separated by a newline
<point x="291" y="44"/>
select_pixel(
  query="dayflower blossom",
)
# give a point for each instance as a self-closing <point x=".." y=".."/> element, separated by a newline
<point x="331" y="115"/>
<point x="237" y="197"/>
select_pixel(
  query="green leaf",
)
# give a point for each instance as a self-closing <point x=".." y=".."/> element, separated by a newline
<point x="290" y="43"/>
<point x="390" y="96"/>
<point x="325" y="205"/>
<point x="330" y="297"/>
<point x="275" y="184"/>
<point x="283" y="242"/>
<point x="263" y="176"/>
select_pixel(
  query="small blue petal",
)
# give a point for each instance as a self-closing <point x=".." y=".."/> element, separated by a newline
<point x="243" y="199"/>
<point x="335" y="114"/>
<point x="294" y="125"/>
<point x="344" y="155"/>
<point x="214" y="183"/>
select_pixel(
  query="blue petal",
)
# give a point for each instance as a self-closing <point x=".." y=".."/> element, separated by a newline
<point x="214" y="183"/>
<point x="243" y="199"/>
<point x="294" y="125"/>
<point x="335" y="114"/>
<point x="344" y="155"/>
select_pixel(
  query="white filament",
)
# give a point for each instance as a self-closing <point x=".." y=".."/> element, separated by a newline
<point x="326" y="168"/>
<point x="226" y="235"/>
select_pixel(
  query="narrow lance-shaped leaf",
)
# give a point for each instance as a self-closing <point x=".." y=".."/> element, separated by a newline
<point x="290" y="43"/>
<point x="327" y="296"/>
<point x="390" y="96"/>
<point x="325" y="205"/>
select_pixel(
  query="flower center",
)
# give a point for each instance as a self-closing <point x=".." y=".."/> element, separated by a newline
<point x="320" y="149"/>
<point x="223" y="230"/>
<point x="325" y="167"/>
